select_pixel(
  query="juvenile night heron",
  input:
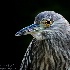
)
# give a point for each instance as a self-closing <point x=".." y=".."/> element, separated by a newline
<point x="50" y="47"/>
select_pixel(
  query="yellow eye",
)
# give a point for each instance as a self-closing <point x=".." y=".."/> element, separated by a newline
<point x="46" y="23"/>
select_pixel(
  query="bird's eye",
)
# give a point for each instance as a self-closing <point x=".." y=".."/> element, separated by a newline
<point x="46" y="23"/>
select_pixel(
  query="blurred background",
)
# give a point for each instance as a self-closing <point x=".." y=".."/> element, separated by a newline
<point x="24" y="15"/>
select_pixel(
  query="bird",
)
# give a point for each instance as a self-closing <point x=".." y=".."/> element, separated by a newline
<point x="50" y="46"/>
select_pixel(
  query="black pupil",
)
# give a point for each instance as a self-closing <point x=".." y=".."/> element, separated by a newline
<point x="48" y="22"/>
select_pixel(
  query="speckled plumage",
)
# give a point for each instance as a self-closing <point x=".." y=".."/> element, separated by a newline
<point x="50" y="47"/>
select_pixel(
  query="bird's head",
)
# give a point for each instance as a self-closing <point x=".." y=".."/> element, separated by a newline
<point x="44" y="20"/>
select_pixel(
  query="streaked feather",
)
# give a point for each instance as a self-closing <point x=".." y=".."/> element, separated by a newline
<point x="50" y="47"/>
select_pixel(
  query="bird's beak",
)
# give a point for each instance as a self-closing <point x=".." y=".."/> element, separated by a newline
<point x="28" y="30"/>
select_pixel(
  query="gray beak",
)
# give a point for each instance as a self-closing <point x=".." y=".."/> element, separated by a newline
<point x="27" y="30"/>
